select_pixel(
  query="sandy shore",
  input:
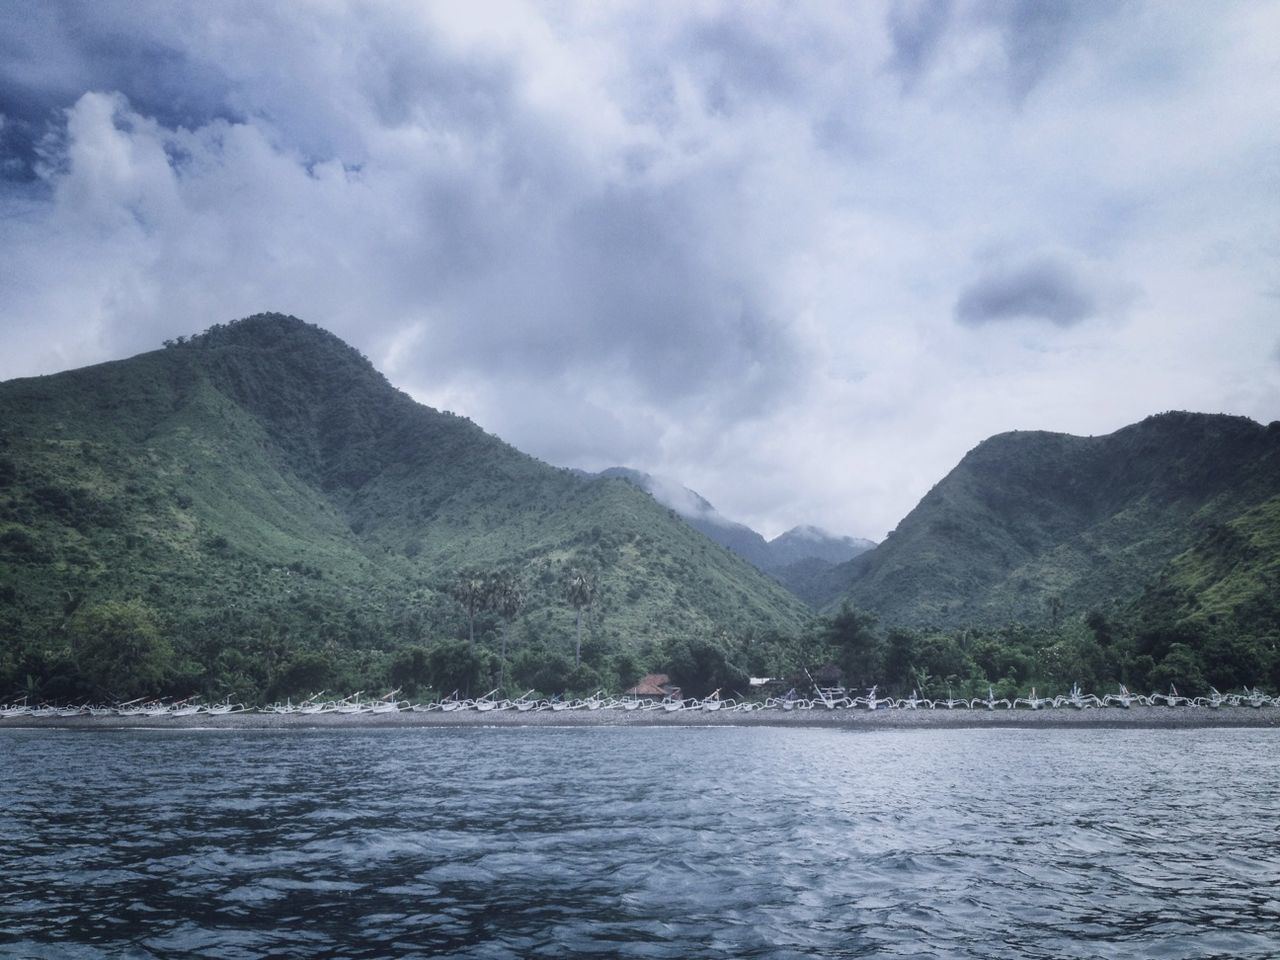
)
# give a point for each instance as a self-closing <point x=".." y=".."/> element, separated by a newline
<point x="1135" y="717"/>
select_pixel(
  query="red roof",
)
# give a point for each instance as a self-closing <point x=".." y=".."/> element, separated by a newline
<point x="653" y="685"/>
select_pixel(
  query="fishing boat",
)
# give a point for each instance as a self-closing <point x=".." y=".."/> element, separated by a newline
<point x="1123" y="699"/>
<point x="523" y="703"/>
<point x="351" y="705"/>
<point x="989" y="703"/>
<point x="451" y="703"/>
<point x="487" y="702"/>
<point x="1034" y="702"/>
<point x="386" y="704"/>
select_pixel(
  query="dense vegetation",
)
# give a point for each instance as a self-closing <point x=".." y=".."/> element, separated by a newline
<point x="801" y="559"/>
<point x="286" y="520"/>
<point x="1033" y="526"/>
<point x="255" y="512"/>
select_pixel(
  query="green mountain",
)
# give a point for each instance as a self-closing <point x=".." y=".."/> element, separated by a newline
<point x="265" y="498"/>
<point x="1229" y="580"/>
<point x="1035" y="527"/>
<point x="800" y="559"/>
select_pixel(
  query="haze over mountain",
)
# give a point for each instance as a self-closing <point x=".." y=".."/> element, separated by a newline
<point x="795" y="558"/>
<point x="1036" y="526"/>
<point x="263" y="484"/>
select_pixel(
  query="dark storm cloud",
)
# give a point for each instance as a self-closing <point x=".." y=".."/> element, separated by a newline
<point x="1040" y="290"/>
<point x="51" y="53"/>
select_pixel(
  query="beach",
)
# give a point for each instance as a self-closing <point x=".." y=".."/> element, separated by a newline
<point x="1137" y="717"/>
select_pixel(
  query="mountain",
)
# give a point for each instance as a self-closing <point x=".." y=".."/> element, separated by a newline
<point x="263" y="494"/>
<point x="1228" y="581"/>
<point x="699" y="514"/>
<point x="796" y="559"/>
<point x="1033" y="526"/>
<point x="813" y="543"/>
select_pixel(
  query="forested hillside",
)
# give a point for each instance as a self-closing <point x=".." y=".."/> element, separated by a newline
<point x="801" y="559"/>
<point x="256" y="512"/>
<point x="261" y="500"/>
<point x="1037" y="527"/>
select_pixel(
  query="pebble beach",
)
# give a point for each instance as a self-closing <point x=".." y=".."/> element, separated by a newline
<point x="1136" y="717"/>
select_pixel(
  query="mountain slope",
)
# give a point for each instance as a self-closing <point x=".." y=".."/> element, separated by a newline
<point x="797" y="558"/>
<point x="266" y="492"/>
<point x="1032" y="526"/>
<point x="1229" y="579"/>
<point x="807" y="543"/>
<point x="698" y="513"/>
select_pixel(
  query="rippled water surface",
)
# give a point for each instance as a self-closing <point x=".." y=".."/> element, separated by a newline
<point x="640" y="843"/>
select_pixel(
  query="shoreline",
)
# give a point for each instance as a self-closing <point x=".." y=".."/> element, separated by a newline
<point x="1161" y="718"/>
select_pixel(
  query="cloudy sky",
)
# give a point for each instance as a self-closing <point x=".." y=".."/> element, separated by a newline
<point x="801" y="256"/>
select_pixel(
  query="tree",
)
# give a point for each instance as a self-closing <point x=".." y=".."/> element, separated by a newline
<point x="856" y="645"/>
<point x="1181" y="667"/>
<point x="411" y="669"/>
<point x="119" y="650"/>
<point x="1054" y="603"/>
<point x="579" y="591"/>
<point x="902" y="653"/>
<point x="305" y="673"/>
<point x="507" y="594"/>
<point x="453" y="666"/>
<point x="472" y="590"/>
<point x="700" y="666"/>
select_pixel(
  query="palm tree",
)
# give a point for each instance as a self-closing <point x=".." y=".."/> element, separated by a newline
<point x="508" y="600"/>
<point x="579" y="591"/>
<point x="471" y="589"/>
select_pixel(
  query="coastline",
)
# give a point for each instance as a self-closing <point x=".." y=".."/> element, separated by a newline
<point x="1162" y="718"/>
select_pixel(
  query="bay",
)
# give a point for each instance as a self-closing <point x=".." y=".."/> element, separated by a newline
<point x="640" y="842"/>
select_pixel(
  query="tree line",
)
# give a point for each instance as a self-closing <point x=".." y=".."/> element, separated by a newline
<point x="117" y="650"/>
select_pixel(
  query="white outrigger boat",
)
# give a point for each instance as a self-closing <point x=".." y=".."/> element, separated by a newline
<point x="487" y="702"/>
<point x="952" y="702"/>
<point x="386" y="704"/>
<point x="1123" y="699"/>
<point x="523" y="704"/>
<point x="351" y="705"/>
<point x="914" y="702"/>
<point x="990" y="702"/>
<point x="451" y="703"/>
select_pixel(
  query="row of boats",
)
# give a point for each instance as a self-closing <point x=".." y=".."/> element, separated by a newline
<point x="822" y="699"/>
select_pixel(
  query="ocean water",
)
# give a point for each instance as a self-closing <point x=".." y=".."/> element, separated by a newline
<point x="640" y="842"/>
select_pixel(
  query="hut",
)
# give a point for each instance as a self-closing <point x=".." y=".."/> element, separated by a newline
<point x="654" y="685"/>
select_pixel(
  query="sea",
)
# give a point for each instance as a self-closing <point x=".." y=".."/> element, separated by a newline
<point x="640" y="842"/>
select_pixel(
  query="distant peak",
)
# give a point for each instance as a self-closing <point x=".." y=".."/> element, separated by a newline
<point x="807" y="531"/>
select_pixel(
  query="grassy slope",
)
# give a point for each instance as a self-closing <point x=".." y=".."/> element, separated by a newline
<point x="1026" y="517"/>
<point x="1231" y="577"/>
<point x="265" y="478"/>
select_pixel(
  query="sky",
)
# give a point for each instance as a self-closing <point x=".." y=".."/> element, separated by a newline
<point x="799" y="256"/>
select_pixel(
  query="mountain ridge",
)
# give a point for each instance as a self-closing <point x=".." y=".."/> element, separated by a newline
<point x="796" y="558"/>
<point x="1030" y="516"/>
<point x="263" y="481"/>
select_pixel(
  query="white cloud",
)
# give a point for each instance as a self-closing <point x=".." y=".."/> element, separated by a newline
<point x="725" y="247"/>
